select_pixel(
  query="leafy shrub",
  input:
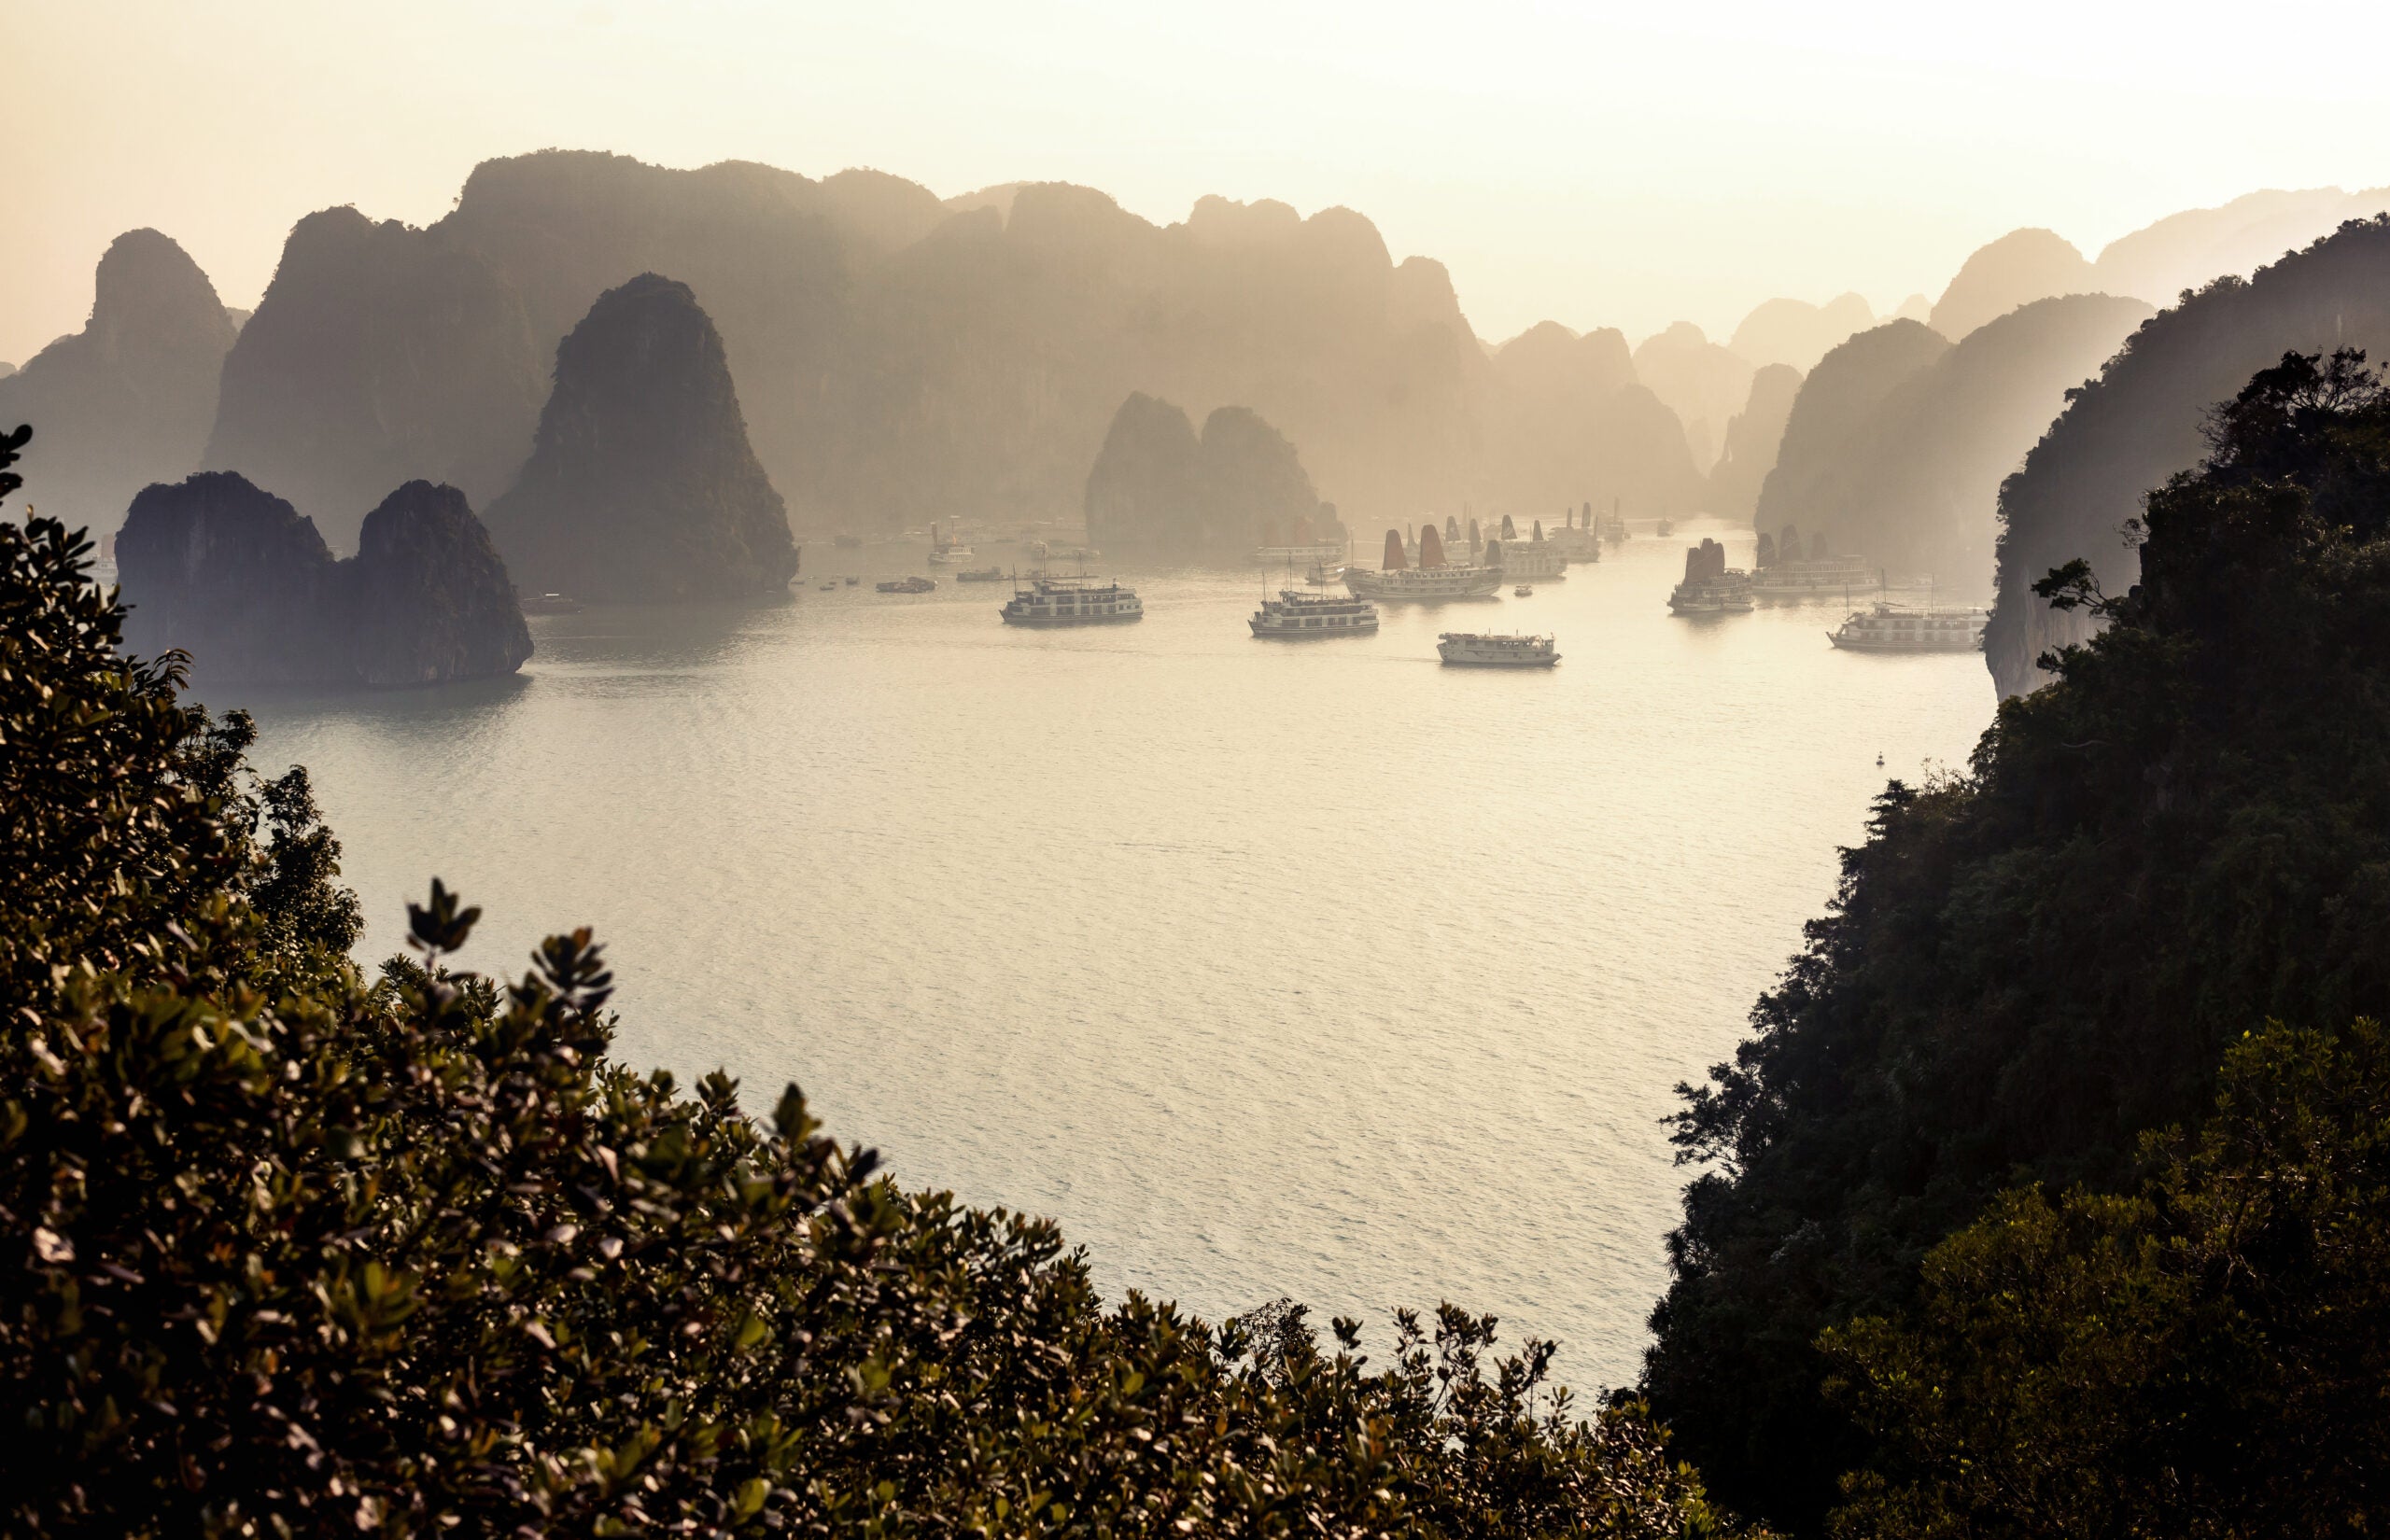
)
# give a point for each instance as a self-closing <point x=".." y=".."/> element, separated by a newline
<point x="2204" y="1358"/>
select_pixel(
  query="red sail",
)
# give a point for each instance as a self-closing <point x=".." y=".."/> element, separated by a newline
<point x="1431" y="546"/>
<point x="1395" y="560"/>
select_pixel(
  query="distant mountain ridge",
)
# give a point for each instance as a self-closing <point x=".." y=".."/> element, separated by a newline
<point x="901" y="359"/>
<point x="2157" y="262"/>
<point x="1899" y="443"/>
<point x="2141" y="421"/>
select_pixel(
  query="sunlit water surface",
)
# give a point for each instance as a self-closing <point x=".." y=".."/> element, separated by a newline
<point x="1306" y="969"/>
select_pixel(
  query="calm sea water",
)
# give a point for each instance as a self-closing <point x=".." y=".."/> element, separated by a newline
<point x="1307" y="969"/>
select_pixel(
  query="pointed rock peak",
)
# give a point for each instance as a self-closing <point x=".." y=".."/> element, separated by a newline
<point x="148" y="287"/>
<point x="641" y="482"/>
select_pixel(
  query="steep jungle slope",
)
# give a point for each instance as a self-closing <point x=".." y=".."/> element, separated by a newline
<point x="2140" y="423"/>
<point x="2027" y="967"/>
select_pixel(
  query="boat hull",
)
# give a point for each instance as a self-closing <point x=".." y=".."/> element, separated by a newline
<point x="1473" y="582"/>
<point x="1503" y="663"/>
<point x="1860" y="644"/>
<point x="1049" y="622"/>
<point x="1294" y="633"/>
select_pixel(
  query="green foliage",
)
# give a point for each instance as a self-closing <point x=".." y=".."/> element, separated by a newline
<point x="2203" y="1359"/>
<point x="282" y="1253"/>
<point x="2026" y="968"/>
<point x="122" y="810"/>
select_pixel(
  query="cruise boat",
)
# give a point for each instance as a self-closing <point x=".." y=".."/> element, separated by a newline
<point x="1477" y="651"/>
<point x="947" y="551"/>
<point x="908" y="585"/>
<point x="1905" y="629"/>
<point x="1577" y="542"/>
<point x="1711" y="587"/>
<point x="1430" y="580"/>
<point x="1517" y="559"/>
<point x="1811" y="576"/>
<point x="1296" y="613"/>
<point x="983" y="574"/>
<point x="1072" y="601"/>
<point x="1298" y="555"/>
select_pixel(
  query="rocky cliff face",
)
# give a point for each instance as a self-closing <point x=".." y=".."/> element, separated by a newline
<point x="2139" y="423"/>
<point x="379" y="355"/>
<point x="897" y="358"/>
<point x="1566" y="422"/>
<point x="233" y="575"/>
<point x="1158" y="487"/>
<point x="1255" y="489"/>
<point x="1914" y="484"/>
<point x="1798" y="333"/>
<point x="2022" y="266"/>
<point x="1703" y="383"/>
<point x="1752" y="438"/>
<point x="128" y="399"/>
<point x="427" y="598"/>
<point x="1833" y="411"/>
<point x="1141" y="492"/>
<point x="642" y="484"/>
<point x="244" y="583"/>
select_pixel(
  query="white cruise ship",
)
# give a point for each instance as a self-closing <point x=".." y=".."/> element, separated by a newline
<point x="1577" y="542"/>
<point x="1072" y="601"/>
<point x="1525" y="561"/>
<point x="1323" y="552"/>
<point x="1711" y="587"/>
<point x="1904" y="628"/>
<point x="1296" y="613"/>
<point x="1475" y="650"/>
<point x="1430" y="580"/>
<point x="1813" y="576"/>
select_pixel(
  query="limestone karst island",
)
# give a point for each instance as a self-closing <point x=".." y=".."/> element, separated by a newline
<point x="986" y="773"/>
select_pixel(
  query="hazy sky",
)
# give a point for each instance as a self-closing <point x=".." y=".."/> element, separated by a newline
<point x="1595" y="164"/>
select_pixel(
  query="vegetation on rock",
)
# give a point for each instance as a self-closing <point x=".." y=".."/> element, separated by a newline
<point x="2139" y="423"/>
<point x="2028" y="967"/>
<point x="2203" y="1357"/>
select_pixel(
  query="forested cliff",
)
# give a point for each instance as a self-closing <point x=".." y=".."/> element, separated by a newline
<point x="2030" y="967"/>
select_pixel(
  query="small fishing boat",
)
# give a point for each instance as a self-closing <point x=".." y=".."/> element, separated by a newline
<point x="1525" y="590"/>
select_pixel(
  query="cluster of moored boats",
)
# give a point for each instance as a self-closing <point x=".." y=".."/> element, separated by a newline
<point x="1457" y="562"/>
<point x="1711" y="587"/>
